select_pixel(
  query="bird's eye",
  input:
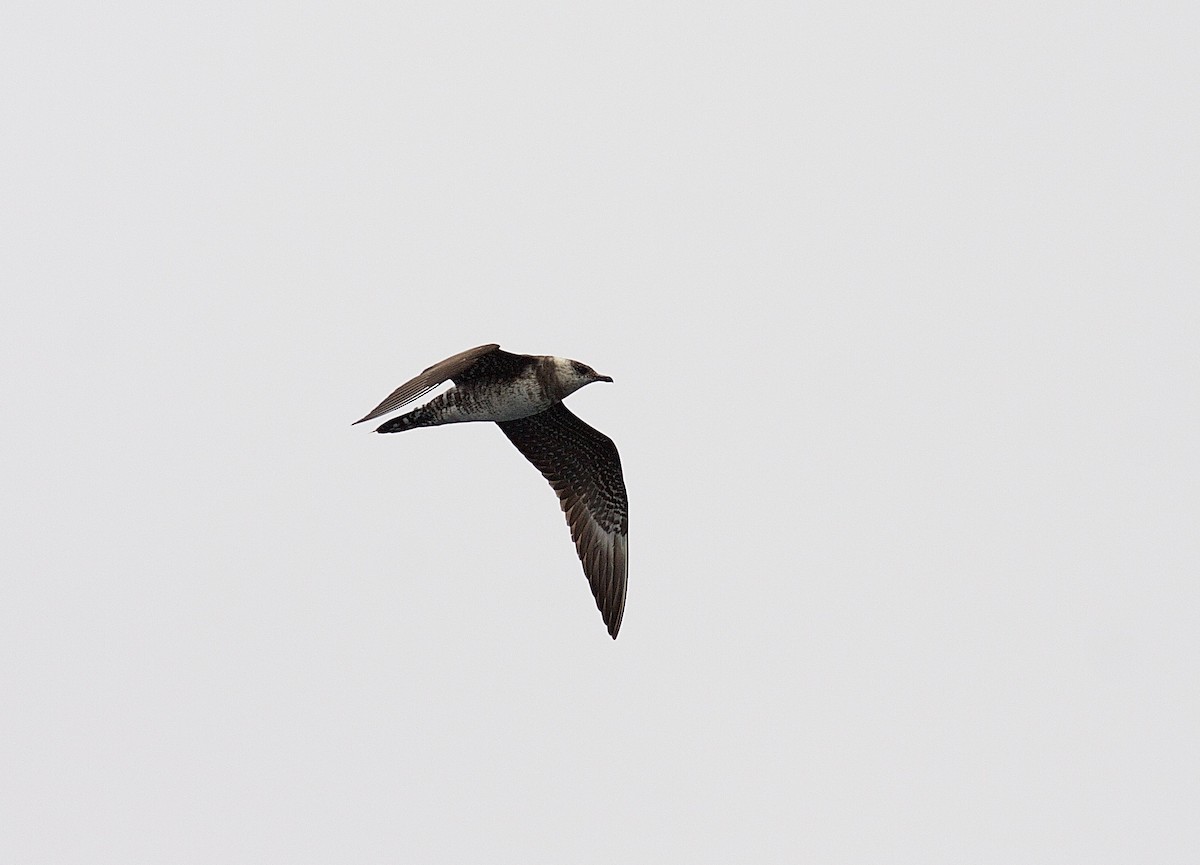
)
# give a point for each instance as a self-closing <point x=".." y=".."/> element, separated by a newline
<point x="581" y="369"/>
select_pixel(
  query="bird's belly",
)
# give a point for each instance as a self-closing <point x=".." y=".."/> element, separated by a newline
<point x="502" y="404"/>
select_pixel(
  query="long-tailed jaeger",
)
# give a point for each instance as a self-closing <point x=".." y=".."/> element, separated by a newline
<point x="523" y="395"/>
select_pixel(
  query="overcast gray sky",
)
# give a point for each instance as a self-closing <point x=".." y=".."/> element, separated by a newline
<point x="901" y="307"/>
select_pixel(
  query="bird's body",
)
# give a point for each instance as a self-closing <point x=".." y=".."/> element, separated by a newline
<point x="523" y="395"/>
<point x="517" y="386"/>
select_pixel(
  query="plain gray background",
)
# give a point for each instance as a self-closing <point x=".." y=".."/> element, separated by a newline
<point x="901" y="306"/>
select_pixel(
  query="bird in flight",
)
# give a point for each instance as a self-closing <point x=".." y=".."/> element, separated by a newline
<point x="523" y="395"/>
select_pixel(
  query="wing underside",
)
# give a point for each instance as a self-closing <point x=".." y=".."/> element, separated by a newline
<point x="584" y="469"/>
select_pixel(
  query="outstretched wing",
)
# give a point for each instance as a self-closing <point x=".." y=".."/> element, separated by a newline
<point x="483" y="360"/>
<point x="583" y="467"/>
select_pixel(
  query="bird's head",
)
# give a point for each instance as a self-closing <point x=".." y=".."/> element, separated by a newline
<point x="571" y="375"/>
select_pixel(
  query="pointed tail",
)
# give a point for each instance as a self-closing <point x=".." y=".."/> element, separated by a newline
<point x="410" y="420"/>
